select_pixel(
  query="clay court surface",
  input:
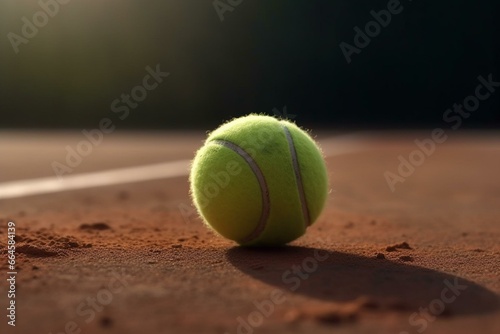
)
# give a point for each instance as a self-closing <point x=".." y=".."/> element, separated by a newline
<point x="132" y="257"/>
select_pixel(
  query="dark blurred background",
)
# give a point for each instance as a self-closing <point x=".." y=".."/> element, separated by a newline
<point x="265" y="54"/>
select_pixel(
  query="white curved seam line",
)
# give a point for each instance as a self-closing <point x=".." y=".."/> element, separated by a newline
<point x="264" y="215"/>
<point x="298" y="177"/>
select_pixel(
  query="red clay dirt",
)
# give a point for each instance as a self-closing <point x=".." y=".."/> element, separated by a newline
<point x="135" y="258"/>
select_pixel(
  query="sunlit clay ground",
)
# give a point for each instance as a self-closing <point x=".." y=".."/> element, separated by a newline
<point x="408" y="241"/>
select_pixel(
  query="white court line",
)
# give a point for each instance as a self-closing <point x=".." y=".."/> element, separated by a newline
<point x="332" y="146"/>
<point x="110" y="177"/>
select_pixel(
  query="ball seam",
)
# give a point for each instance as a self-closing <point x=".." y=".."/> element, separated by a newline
<point x="298" y="176"/>
<point x="266" y="205"/>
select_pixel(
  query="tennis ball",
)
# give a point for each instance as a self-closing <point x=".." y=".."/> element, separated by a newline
<point x="258" y="180"/>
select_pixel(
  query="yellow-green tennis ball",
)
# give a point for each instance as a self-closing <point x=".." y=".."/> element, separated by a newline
<point x="258" y="180"/>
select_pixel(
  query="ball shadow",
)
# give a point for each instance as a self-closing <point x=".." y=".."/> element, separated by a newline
<point x="342" y="277"/>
